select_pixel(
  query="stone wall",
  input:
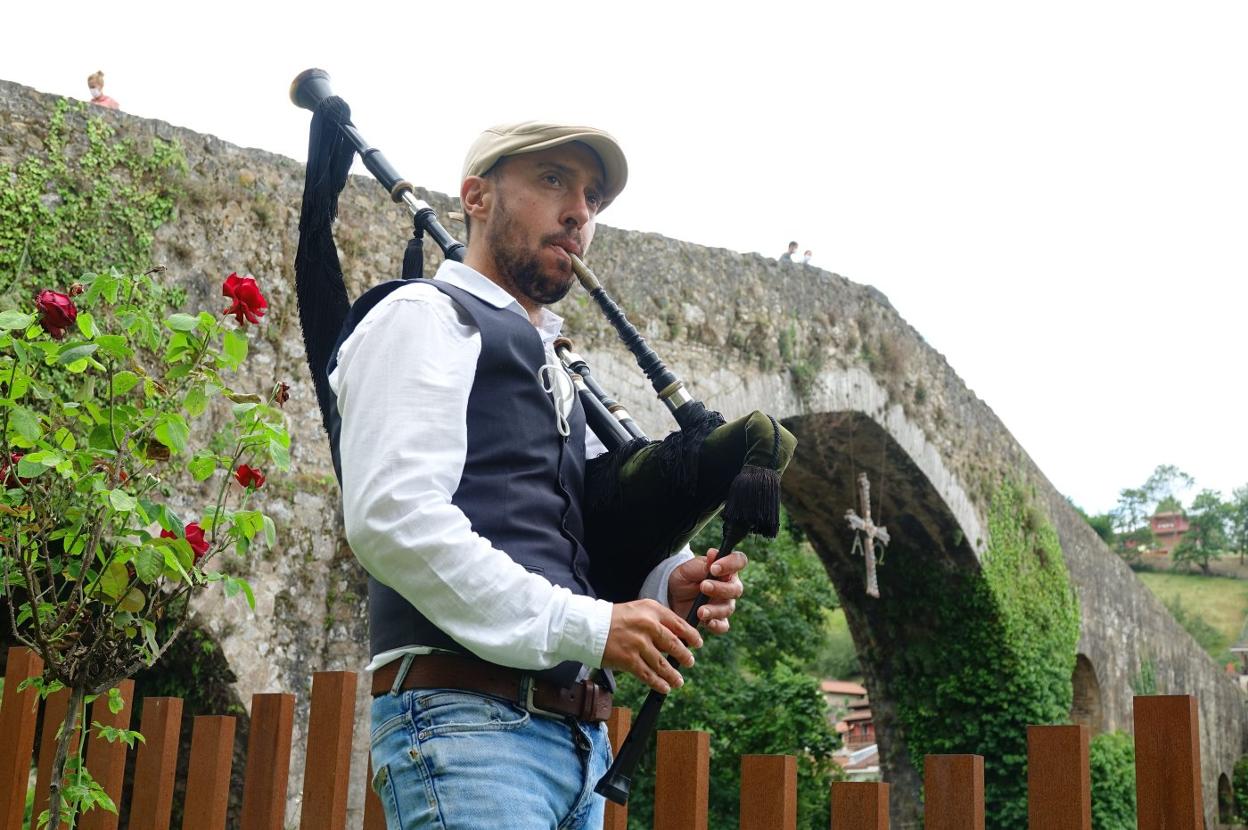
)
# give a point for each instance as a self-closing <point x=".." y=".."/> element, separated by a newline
<point x="745" y="331"/>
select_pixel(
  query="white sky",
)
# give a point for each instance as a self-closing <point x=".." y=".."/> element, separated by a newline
<point x="1054" y="194"/>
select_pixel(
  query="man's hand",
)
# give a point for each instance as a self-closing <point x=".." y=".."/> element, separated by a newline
<point x="711" y="575"/>
<point x="642" y="633"/>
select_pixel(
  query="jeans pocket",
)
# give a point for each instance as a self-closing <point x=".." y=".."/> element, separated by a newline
<point x="442" y="712"/>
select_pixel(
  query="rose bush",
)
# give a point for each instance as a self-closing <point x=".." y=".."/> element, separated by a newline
<point x="116" y="502"/>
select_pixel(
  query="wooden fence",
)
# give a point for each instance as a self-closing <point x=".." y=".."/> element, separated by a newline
<point x="1168" y="781"/>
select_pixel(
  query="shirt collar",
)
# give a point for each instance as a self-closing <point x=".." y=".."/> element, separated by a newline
<point x="483" y="288"/>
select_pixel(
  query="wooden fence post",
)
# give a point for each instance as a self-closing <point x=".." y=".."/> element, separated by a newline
<point x="859" y="805"/>
<point x="268" y="762"/>
<point x="326" y="777"/>
<point x="1167" y="763"/>
<point x="151" y="801"/>
<point x="617" y="729"/>
<point x="208" y="776"/>
<point x="374" y="813"/>
<point x="18" y="713"/>
<point x="953" y="787"/>
<point x="1059" y="779"/>
<point x="107" y="761"/>
<point x="682" y="780"/>
<point x="54" y="710"/>
<point x="768" y="792"/>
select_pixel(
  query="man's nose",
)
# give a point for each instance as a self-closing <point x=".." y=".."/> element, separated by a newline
<point x="577" y="212"/>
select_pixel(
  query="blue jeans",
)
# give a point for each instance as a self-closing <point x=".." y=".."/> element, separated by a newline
<point x="452" y="760"/>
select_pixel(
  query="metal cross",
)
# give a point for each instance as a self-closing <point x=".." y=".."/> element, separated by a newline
<point x="863" y="524"/>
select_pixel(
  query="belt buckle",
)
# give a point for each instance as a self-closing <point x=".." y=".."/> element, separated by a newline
<point x="529" y="684"/>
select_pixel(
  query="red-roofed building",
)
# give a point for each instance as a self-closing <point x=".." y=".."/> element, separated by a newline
<point x="857" y="727"/>
<point x="841" y="693"/>
<point x="1168" y="528"/>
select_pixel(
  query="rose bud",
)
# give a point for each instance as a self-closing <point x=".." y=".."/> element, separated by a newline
<point x="57" y="312"/>
<point x="282" y="394"/>
<point x="76" y="289"/>
<point x="248" y="303"/>
<point x="249" y="476"/>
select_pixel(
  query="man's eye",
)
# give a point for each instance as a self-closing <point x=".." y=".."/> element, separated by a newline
<point x="551" y="178"/>
<point x="594" y="199"/>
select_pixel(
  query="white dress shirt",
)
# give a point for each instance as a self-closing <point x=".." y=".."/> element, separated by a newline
<point x="403" y="379"/>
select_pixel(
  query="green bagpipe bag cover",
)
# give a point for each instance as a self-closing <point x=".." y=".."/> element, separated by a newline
<point x="645" y="501"/>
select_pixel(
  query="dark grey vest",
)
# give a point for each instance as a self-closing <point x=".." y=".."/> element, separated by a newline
<point x="522" y="483"/>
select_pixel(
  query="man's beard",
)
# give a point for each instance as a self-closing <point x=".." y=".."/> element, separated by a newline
<point x="520" y="266"/>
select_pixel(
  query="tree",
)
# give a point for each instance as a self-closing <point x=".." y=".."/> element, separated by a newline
<point x="1237" y="515"/>
<point x="1102" y="523"/>
<point x="750" y="689"/>
<point x="1136" y="505"/>
<point x="1206" y="537"/>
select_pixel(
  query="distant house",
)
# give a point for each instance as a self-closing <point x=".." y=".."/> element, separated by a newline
<point x="1168" y="529"/>
<point x="841" y="693"/>
<point x="857" y="727"/>
<point x="859" y="755"/>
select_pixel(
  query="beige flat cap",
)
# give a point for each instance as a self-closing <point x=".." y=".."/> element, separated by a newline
<point x="531" y="136"/>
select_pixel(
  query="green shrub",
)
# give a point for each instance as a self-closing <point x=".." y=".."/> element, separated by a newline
<point x="1112" y="758"/>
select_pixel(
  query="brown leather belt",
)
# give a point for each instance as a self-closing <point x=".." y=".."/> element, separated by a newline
<point x="584" y="700"/>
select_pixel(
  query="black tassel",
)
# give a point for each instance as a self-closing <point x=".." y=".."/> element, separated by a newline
<point x="754" y="501"/>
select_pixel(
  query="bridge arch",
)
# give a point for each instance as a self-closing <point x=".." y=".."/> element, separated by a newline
<point x="1086" y="706"/>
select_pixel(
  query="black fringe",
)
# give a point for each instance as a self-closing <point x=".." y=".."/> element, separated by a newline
<point x="754" y="501"/>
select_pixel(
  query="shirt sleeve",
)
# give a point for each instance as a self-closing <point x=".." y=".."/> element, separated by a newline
<point x="403" y="381"/>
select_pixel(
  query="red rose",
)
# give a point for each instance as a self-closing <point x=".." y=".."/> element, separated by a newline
<point x="195" y="536"/>
<point x="249" y="303"/>
<point x="8" y="474"/>
<point x="249" y="476"/>
<point x="57" y="312"/>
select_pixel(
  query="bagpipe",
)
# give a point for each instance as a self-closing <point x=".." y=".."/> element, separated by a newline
<point x="644" y="500"/>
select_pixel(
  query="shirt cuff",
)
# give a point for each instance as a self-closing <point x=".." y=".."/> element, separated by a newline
<point x="585" y="630"/>
<point x="655" y="586"/>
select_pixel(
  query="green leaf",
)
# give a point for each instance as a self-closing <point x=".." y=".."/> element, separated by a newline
<point x="25" y="422"/>
<point x="123" y="382"/>
<point x="248" y="523"/>
<point x="114" y="580"/>
<point x="86" y="325"/>
<point x="114" y="345"/>
<point x="270" y="532"/>
<point x="115" y="701"/>
<point x="182" y="322"/>
<point x="36" y="462"/>
<point x="174" y="555"/>
<point x="233" y="585"/>
<point x="173" y="432"/>
<point x="279" y="454"/>
<point x="14" y="319"/>
<point x="133" y="601"/>
<point x="196" y="400"/>
<point x="73" y="352"/>
<point x="202" y="466"/>
<point x="148" y="565"/>
<point x="234" y="345"/>
<point x="122" y="501"/>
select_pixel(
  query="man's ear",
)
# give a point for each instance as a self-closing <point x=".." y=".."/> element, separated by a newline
<point x="476" y="195"/>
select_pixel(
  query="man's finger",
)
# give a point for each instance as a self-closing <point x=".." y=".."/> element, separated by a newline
<point x="730" y="564"/>
<point x="723" y="589"/>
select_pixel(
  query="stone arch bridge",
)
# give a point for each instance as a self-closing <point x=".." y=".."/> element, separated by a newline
<point x="833" y="359"/>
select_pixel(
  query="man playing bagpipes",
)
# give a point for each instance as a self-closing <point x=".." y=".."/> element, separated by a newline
<point x="463" y="455"/>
